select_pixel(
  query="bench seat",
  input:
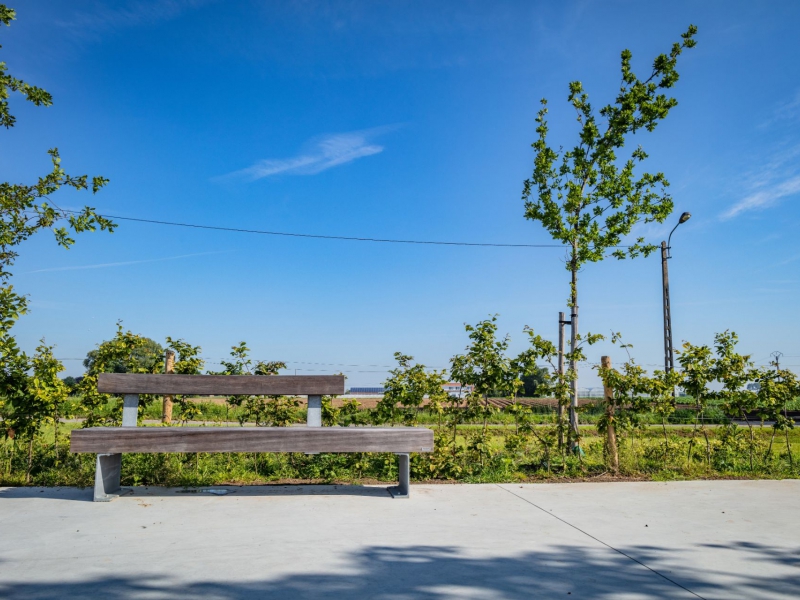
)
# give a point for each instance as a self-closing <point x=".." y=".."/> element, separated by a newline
<point x="111" y="440"/>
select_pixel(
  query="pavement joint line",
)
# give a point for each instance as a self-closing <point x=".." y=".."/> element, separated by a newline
<point x="586" y="533"/>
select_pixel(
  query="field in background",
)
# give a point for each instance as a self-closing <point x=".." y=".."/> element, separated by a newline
<point x="506" y="452"/>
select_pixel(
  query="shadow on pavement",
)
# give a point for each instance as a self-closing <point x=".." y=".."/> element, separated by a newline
<point x="422" y="572"/>
<point x="85" y="494"/>
<point x="47" y="493"/>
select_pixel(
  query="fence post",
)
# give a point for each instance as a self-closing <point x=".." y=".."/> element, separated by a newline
<point x="169" y="367"/>
<point x="611" y="430"/>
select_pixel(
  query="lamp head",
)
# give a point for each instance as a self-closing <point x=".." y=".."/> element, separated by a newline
<point x="685" y="217"/>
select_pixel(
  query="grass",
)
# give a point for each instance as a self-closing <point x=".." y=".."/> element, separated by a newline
<point x="500" y="456"/>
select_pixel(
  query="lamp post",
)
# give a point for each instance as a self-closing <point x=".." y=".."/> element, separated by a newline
<point x="669" y="359"/>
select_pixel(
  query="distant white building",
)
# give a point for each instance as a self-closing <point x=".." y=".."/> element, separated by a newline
<point x="451" y="387"/>
<point x="366" y="391"/>
<point x="456" y="389"/>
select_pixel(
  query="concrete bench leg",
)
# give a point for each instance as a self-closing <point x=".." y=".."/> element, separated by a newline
<point x="106" y="477"/>
<point x="107" y="470"/>
<point x="402" y="490"/>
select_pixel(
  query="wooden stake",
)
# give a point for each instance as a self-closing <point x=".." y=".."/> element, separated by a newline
<point x="169" y="367"/>
<point x="611" y="430"/>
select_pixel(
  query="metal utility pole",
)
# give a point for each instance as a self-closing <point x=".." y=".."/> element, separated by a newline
<point x="561" y="323"/>
<point x="573" y="409"/>
<point x="777" y="360"/>
<point x="669" y="356"/>
<point x="776" y="356"/>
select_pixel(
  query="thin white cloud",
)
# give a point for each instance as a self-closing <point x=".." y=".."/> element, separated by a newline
<point x="765" y="197"/>
<point x="130" y="14"/>
<point x="325" y="153"/>
<point x="777" y="178"/>
<point x="791" y="259"/>
<point x="124" y="263"/>
<point x="785" y="111"/>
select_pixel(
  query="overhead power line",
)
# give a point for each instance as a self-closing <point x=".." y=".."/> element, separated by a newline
<point x="331" y="237"/>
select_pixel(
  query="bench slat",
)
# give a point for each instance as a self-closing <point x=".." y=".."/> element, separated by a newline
<point x="110" y="440"/>
<point x="226" y="385"/>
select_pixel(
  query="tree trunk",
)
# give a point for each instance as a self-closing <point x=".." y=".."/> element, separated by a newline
<point x="752" y="438"/>
<point x="573" y="365"/>
<point x="485" y="412"/>
<point x="169" y="367"/>
<point x="768" y="454"/>
<point x="708" y="445"/>
<point x="611" y="429"/>
<point x="30" y="461"/>
<point x="691" y="440"/>
<point x="11" y="455"/>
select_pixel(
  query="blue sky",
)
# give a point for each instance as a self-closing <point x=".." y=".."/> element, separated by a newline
<point x="397" y="120"/>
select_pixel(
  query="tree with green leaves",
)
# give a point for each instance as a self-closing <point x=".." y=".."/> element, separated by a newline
<point x="698" y="365"/>
<point x="661" y="389"/>
<point x="269" y="410"/>
<point x="36" y="395"/>
<point x="188" y="362"/>
<point x="585" y="196"/>
<point x="485" y="367"/>
<point x="525" y="367"/>
<point x="488" y="368"/>
<point x="26" y="209"/>
<point x="407" y="387"/>
<point x="126" y="352"/>
<point x="776" y="390"/>
<point x="29" y="208"/>
<point x="143" y="358"/>
<point x="534" y="383"/>
<point x="734" y="371"/>
<point x="623" y="407"/>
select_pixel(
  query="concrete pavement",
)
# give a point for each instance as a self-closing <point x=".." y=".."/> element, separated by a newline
<point x="706" y="539"/>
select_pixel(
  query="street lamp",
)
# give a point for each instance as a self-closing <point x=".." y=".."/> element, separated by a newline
<point x="669" y="359"/>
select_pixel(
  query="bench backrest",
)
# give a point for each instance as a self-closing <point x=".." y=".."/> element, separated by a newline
<point x="223" y="385"/>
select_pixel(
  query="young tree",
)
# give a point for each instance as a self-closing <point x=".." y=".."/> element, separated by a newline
<point x="35" y="398"/>
<point x="489" y="370"/>
<point x="278" y="410"/>
<point x="583" y="196"/>
<point x="626" y="402"/>
<point x="188" y="357"/>
<point x="733" y="371"/>
<point x="188" y="363"/>
<point x="122" y="354"/>
<point x="406" y="389"/>
<point x="698" y="365"/>
<point x="47" y="387"/>
<point x="661" y="389"/>
<point x="778" y="388"/>
<point x="26" y="209"/>
<point x="484" y="366"/>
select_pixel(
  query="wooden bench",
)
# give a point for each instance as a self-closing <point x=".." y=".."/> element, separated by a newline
<point x="110" y="442"/>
